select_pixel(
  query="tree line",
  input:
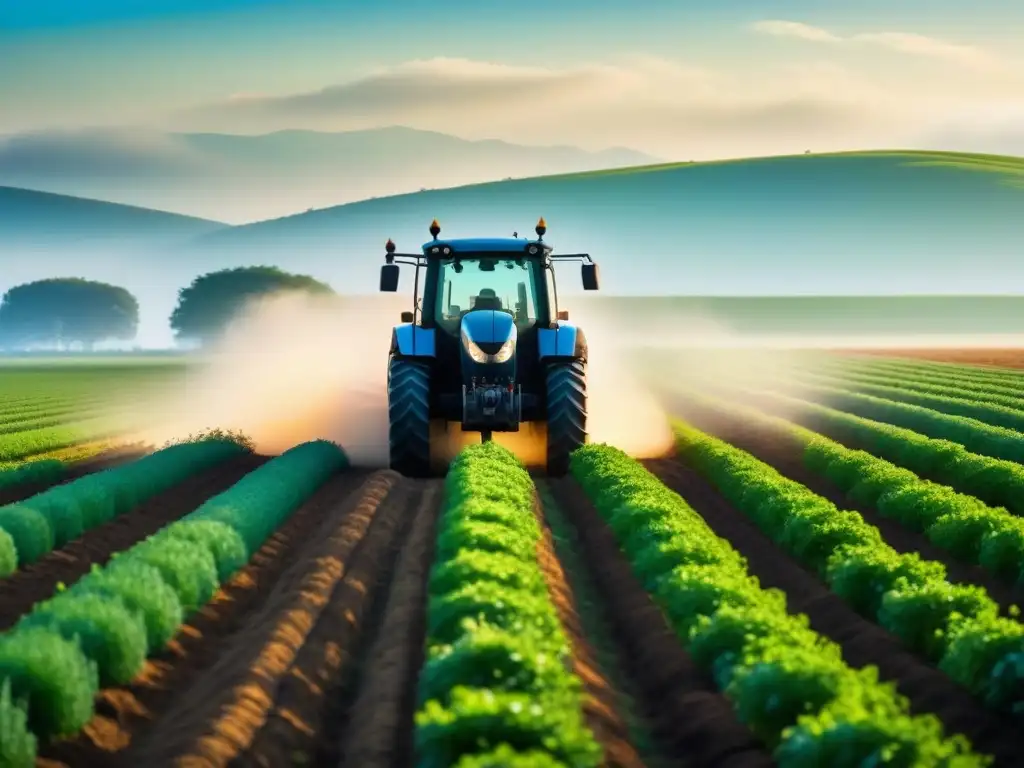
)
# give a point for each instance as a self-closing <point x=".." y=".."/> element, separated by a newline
<point x="70" y="312"/>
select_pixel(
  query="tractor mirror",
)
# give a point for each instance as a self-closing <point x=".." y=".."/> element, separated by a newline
<point x="407" y="317"/>
<point x="591" y="277"/>
<point x="389" y="277"/>
<point x="563" y="314"/>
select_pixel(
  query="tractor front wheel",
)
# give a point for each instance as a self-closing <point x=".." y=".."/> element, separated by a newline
<point x="567" y="413"/>
<point x="409" y="416"/>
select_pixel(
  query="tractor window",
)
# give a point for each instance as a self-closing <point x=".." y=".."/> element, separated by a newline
<point x="494" y="283"/>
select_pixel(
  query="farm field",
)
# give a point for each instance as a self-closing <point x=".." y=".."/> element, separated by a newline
<point x="825" y="571"/>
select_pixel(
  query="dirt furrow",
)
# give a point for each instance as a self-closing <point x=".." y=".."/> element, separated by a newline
<point x="182" y="678"/>
<point x="377" y="722"/>
<point x="38" y="581"/>
<point x="775" y="447"/>
<point x="601" y="707"/>
<point x="693" y="724"/>
<point x="863" y="642"/>
<point x="215" y="717"/>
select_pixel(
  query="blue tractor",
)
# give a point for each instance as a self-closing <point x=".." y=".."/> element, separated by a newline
<point x="486" y="347"/>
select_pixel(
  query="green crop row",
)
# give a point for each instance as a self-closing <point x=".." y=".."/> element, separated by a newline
<point x="995" y="415"/>
<point x="498" y="661"/>
<point x="994" y="481"/>
<point x="956" y="625"/>
<point x="786" y="682"/>
<point x="30" y="529"/>
<point x="30" y="442"/>
<point x="41" y="471"/>
<point x="962" y="525"/>
<point x="965" y="381"/>
<point x="942" y="389"/>
<point x="974" y="435"/>
<point x="1006" y="376"/>
<point x="101" y="630"/>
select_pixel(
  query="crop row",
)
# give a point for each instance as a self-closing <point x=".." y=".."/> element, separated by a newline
<point x="498" y="661"/>
<point x="102" y="629"/>
<point x="996" y="415"/>
<point x="942" y="389"/>
<point x="18" y="445"/>
<point x="994" y="481"/>
<point x="963" y="525"/>
<point x="965" y="382"/>
<point x="957" y="626"/>
<point x="1011" y="377"/>
<point x="974" y="435"/>
<point x="786" y="682"/>
<point x="48" y="520"/>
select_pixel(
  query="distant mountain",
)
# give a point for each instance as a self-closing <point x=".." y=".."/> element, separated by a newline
<point x="867" y="223"/>
<point x="247" y="178"/>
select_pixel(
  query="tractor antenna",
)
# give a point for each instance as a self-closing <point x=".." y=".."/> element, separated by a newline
<point x="435" y="228"/>
<point x="389" y="246"/>
<point x="541" y="228"/>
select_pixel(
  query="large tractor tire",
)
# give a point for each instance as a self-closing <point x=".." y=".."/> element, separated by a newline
<point x="409" y="416"/>
<point x="567" y="413"/>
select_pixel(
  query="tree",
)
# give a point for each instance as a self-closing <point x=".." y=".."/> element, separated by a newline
<point x="64" y="311"/>
<point x="207" y="305"/>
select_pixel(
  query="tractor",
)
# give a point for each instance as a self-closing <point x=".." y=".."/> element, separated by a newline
<point x="486" y="347"/>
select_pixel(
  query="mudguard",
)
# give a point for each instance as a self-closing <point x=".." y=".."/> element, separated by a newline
<point x="566" y="342"/>
<point x="408" y="340"/>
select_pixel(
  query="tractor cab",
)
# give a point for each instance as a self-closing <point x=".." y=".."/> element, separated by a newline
<point x="485" y="344"/>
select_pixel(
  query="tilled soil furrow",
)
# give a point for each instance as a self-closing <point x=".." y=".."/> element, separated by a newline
<point x="601" y="706"/>
<point x="177" y="680"/>
<point x="38" y="581"/>
<point x="693" y="723"/>
<point x="779" y="450"/>
<point x="75" y="470"/>
<point x="863" y="642"/>
<point x="216" y="714"/>
<point x="379" y="731"/>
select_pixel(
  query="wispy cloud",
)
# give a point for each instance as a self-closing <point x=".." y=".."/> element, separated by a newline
<point x="902" y="42"/>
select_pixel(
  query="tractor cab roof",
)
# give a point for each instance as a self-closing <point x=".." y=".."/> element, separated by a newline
<point x="480" y="245"/>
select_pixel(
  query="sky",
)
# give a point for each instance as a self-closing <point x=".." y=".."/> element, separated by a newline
<point x="679" y="79"/>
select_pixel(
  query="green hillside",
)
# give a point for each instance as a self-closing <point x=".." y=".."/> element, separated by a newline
<point x="857" y="223"/>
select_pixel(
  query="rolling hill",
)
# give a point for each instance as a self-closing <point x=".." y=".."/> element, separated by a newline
<point x="853" y="223"/>
<point x="246" y="178"/>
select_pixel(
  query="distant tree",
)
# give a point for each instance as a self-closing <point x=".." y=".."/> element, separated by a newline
<point x="64" y="311"/>
<point x="207" y="305"/>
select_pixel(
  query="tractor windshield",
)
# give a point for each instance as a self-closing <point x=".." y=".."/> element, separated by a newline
<point x="487" y="283"/>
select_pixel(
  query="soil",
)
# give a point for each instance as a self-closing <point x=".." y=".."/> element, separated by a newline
<point x="693" y="723"/>
<point x="379" y="717"/>
<point x="1002" y="358"/>
<point x="158" y="710"/>
<point x="863" y="643"/>
<point x="38" y="581"/>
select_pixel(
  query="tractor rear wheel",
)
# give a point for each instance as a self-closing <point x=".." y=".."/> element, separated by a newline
<point x="567" y="413"/>
<point x="409" y="416"/>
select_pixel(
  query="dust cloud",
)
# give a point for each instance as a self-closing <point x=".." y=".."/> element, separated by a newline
<point x="291" y="368"/>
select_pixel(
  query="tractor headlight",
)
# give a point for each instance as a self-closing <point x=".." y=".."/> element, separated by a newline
<point x="476" y="354"/>
<point x="503" y="354"/>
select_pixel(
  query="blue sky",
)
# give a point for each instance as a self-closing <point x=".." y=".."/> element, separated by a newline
<point x="671" y="77"/>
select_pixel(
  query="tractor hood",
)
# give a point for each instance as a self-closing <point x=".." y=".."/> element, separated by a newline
<point x="490" y="332"/>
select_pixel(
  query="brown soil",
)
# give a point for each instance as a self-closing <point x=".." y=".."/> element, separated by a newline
<point x="694" y="724"/>
<point x="379" y="716"/>
<point x="74" y="470"/>
<point x="1002" y="358"/>
<point x="863" y="642"/>
<point x="600" y="707"/>
<point x="134" y="717"/>
<point x="38" y="581"/>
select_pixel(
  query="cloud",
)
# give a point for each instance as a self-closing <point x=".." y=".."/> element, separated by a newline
<point x="902" y="42"/>
<point x="797" y="29"/>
